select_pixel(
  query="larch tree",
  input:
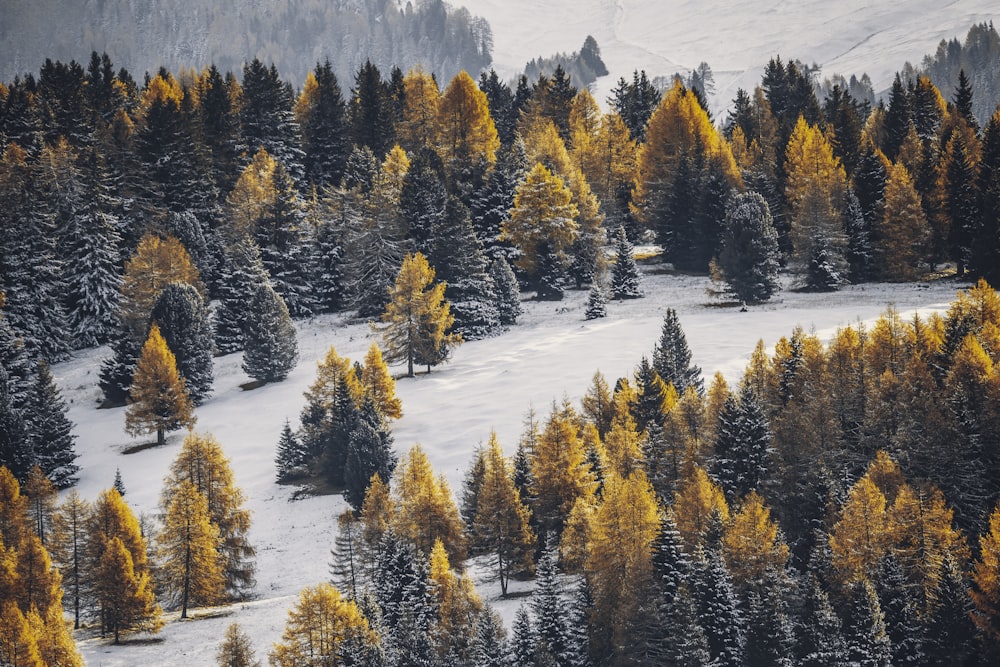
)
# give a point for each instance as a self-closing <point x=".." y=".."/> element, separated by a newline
<point x="203" y="463"/>
<point x="903" y="230"/>
<point x="697" y="502"/>
<point x="331" y="403"/>
<point x="189" y="545"/>
<point x="417" y="319"/>
<point x="859" y="539"/>
<point x="159" y="401"/>
<point x="468" y="135"/>
<point x="69" y="550"/>
<point x="124" y="594"/>
<point x="425" y="509"/>
<point x="318" y="626"/>
<point x="379" y="385"/>
<point x="270" y="346"/>
<point x="236" y="649"/>
<point x="986" y="581"/>
<point x="419" y="125"/>
<point x="560" y="473"/>
<point x="752" y="543"/>
<point x="500" y="525"/>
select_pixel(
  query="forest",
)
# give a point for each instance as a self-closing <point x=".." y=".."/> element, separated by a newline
<point x="837" y="505"/>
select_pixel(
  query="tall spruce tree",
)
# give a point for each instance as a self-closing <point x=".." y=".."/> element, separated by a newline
<point x="49" y="431"/>
<point x="243" y="272"/>
<point x="423" y="198"/>
<point x="184" y="323"/>
<point x="267" y="119"/>
<point x="625" y="277"/>
<point x="742" y="444"/>
<point x="986" y="245"/>
<point x="371" y="113"/>
<point x="291" y="457"/>
<point x="271" y="349"/>
<point x="508" y="292"/>
<point x="322" y="116"/>
<point x="369" y="452"/>
<point x="672" y="358"/>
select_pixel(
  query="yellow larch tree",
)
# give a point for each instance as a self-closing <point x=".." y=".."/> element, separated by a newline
<point x="158" y="400"/>
<point x="156" y="263"/>
<point x="903" y="231"/>
<point x="860" y="538"/>
<point x="814" y="188"/>
<point x="13" y="508"/>
<point x="543" y="213"/>
<point x="500" y="527"/>
<point x="378" y="384"/>
<point x="575" y="539"/>
<point x="560" y="473"/>
<point x="467" y="130"/>
<point x="424" y="508"/>
<point x="458" y="605"/>
<point x="598" y="404"/>
<point x="252" y="196"/>
<point x="619" y="562"/>
<point x="752" y="544"/>
<point x="985" y="591"/>
<point x="18" y="640"/>
<point x="419" y="126"/>
<point x="377" y="516"/>
<point x="69" y="544"/>
<point x="319" y="623"/>
<point x="623" y="445"/>
<point x="125" y="594"/>
<point x="696" y="502"/>
<point x="192" y="567"/>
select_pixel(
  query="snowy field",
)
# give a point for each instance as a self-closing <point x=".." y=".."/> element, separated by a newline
<point x="735" y="37"/>
<point x="489" y="385"/>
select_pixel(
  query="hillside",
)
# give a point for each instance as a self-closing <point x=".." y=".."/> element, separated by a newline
<point x="736" y="38"/>
<point x="489" y="385"/>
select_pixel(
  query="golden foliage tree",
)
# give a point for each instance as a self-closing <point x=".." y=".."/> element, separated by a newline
<point x="236" y="649"/>
<point x="860" y="538"/>
<point x="752" y="544"/>
<point x="158" y="400"/>
<point x="696" y="502"/>
<point x="379" y="385"/>
<point x="986" y="580"/>
<point x="13" y="508"/>
<point x="425" y="510"/>
<point x="317" y="626"/>
<point x="560" y="472"/>
<point x="417" y="319"/>
<point x="903" y="232"/>
<point x="124" y="594"/>
<point x="252" y="196"/>
<point x="69" y="548"/>
<point x="543" y="213"/>
<point x="458" y="606"/>
<point x="419" y="125"/>
<point x="189" y="546"/>
<point x="203" y="463"/>
<point x="156" y="263"/>
<point x="500" y="526"/>
<point x="467" y="130"/>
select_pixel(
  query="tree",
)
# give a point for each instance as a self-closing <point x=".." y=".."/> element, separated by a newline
<point x="867" y="641"/>
<point x="69" y="549"/>
<point x="192" y="567"/>
<point x="543" y="219"/>
<point x="271" y="350"/>
<point x="858" y="539"/>
<point x="986" y="580"/>
<point x="378" y="385"/>
<point x="903" y="231"/>
<point x="752" y="545"/>
<point x="672" y="358"/>
<point x="291" y="457"/>
<point x="554" y="643"/>
<point x="625" y="277"/>
<point x="560" y="473"/>
<point x="203" y="463"/>
<point x="597" y="300"/>
<point x="698" y="502"/>
<point x="418" y="127"/>
<point x="986" y="245"/>
<point x="159" y="400"/>
<point x="750" y="255"/>
<point x="322" y="115"/>
<point x="236" y="649"/>
<point x="49" y="431"/>
<point x="183" y="320"/>
<point x="369" y="452"/>
<point x="267" y="118"/>
<point x="468" y="135"/>
<point x="500" y="523"/>
<point x="821" y="641"/>
<point x="318" y="626"/>
<point x="508" y="292"/>
<point x="742" y="444"/>
<point x="126" y="596"/>
<point x="425" y="510"/>
<point x="242" y="273"/>
<point x="417" y="319"/>
<point x="370" y="112"/>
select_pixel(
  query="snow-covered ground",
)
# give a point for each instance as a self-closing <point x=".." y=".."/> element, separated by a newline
<point x="489" y="385"/>
<point x="735" y="37"/>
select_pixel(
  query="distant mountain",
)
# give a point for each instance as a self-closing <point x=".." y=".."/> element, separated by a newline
<point x="142" y="35"/>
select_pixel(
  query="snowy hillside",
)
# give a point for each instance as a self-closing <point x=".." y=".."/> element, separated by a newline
<point x="735" y="37"/>
<point x="488" y="385"/>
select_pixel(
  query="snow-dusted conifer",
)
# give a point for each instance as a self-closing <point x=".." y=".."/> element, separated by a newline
<point x="742" y="445"/>
<point x="271" y="347"/>
<point x="750" y="256"/>
<point x="291" y="457"/>
<point x="672" y="358"/>
<point x="242" y="273"/>
<point x="625" y="276"/>
<point x="369" y="451"/>
<point x="50" y="431"/>
<point x="184" y="323"/>
<point x="508" y="292"/>
<point x="597" y="300"/>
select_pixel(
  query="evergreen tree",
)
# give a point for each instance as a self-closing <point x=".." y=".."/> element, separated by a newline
<point x="492" y="203"/>
<point x="950" y="631"/>
<point x="371" y="115"/>
<point x="291" y="457"/>
<point x="960" y="201"/>
<point x="859" y="253"/>
<point x="551" y="620"/>
<point x="750" y="256"/>
<point x="417" y="319"/>
<point x="821" y="641"/>
<point x="118" y="485"/>
<point x="243" y="271"/>
<point x="900" y="611"/>
<point x="270" y="339"/>
<point x="635" y="101"/>
<point x="508" y="293"/>
<point x="597" y="300"/>
<point x="672" y="358"/>
<point x="182" y="317"/>
<point x="158" y="401"/>
<point x="192" y="569"/>
<point x="625" y="277"/>
<point x="16" y="453"/>
<point x="770" y="633"/>
<point x="322" y="115"/>
<point x="404" y="595"/>
<point x="369" y="452"/>
<point x="718" y="608"/>
<point x="524" y="641"/>
<point x="986" y="245"/>
<point x="423" y="199"/>
<point x="220" y="125"/>
<point x="897" y="119"/>
<point x="824" y="271"/>
<point x="963" y="100"/>
<point x="742" y="444"/>
<point x="267" y="118"/>
<point x="49" y="430"/>
<point x="867" y="641"/>
<point x="460" y="263"/>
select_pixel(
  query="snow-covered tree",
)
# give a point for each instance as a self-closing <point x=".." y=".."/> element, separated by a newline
<point x="271" y="347"/>
<point x="625" y="277"/>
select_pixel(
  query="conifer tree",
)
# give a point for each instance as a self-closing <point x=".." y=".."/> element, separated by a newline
<point x="672" y="358"/>
<point x="718" y="609"/>
<point x="551" y="620"/>
<point x="203" y="463"/>
<point x="508" y="293"/>
<point x="271" y="350"/>
<point x="69" y="549"/>
<point x="124" y="594"/>
<point x="821" y="641"/>
<point x="372" y="119"/>
<point x="560" y="473"/>
<point x="236" y="649"/>
<point x="242" y="272"/>
<point x="317" y="627"/>
<point x="867" y="641"/>
<point x="417" y="320"/>
<point x="291" y="457"/>
<point x="750" y="255"/>
<point x="423" y="198"/>
<point x="770" y="632"/>
<point x="597" y="300"/>
<point x="900" y="611"/>
<point x="403" y="591"/>
<point x="951" y="634"/>
<point x="192" y="567"/>
<point x="118" y="485"/>
<point x="322" y="116"/>
<point x="425" y="510"/>
<point x="469" y="138"/>
<point x="500" y="523"/>
<point x="16" y="452"/>
<point x="986" y="580"/>
<point x="184" y="323"/>
<point x="742" y="444"/>
<point x="331" y="405"/>
<point x="960" y="199"/>
<point x="625" y="276"/>
<point x="159" y="401"/>
<point x="267" y="119"/>
<point x="369" y="452"/>
<point x="986" y="245"/>
<point x="492" y="202"/>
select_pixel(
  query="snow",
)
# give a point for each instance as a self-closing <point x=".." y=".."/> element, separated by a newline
<point x="488" y="385"/>
<point x="735" y="37"/>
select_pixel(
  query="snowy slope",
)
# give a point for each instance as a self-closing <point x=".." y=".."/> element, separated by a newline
<point x="735" y="37"/>
<point x="488" y="385"/>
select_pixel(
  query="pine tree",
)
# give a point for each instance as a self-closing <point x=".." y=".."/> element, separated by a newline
<point x="192" y="568"/>
<point x="291" y="457"/>
<point x="900" y="610"/>
<point x="821" y="641"/>
<point x="159" y="400"/>
<point x="469" y="138"/>
<point x="960" y="200"/>
<point x="672" y="358"/>
<point x="417" y="319"/>
<point x="524" y="641"/>
<point x="491" y="204"/>
<point x="423" y="198"/>
<point x="267" y="118"/>
<point x="986" y="580"/>
<point x="963" y="100"/>
<point x="243" y="271"/>
<point x="898" y="118"/>
<point x="372" y="119"/>
<point x="950" y="630"/>
<point x="554" y="644"/>
<point x="718" y="609"/>
<point x="182" y="316"/>
<point x="202" y="463"/>
<point x="743" y="444"/>
<point x="597" y="300"/>
<point x="369" y="452"/>
<point x="322" y="115"/>
<point x="986" y="245"/>
<point x="407" y="602"/>
<point x="118" y="485"/>
<point x="625" y="276"/>
<point x="770" y="632"/>
<point x="270" y="340"/>
<point x="867" y="641"/>
<point x="16" y="453"/>
<point x="559" y="473"/>
<point x="750" y="255"/>
<point x="236" y="649"/>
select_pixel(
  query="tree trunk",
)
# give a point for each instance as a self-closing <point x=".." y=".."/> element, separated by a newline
<point x="161" y="438"/>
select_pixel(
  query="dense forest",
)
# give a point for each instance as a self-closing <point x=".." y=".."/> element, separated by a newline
<point x="836" y="506"/>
